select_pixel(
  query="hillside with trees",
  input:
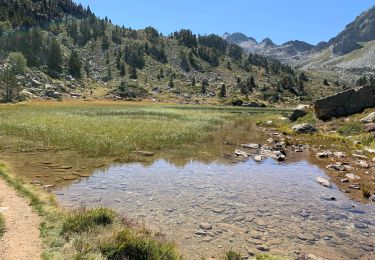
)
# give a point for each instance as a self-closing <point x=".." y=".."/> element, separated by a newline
<point x="70" y="52"/>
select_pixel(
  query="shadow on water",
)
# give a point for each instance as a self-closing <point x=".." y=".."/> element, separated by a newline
<point x="209" y="201"/>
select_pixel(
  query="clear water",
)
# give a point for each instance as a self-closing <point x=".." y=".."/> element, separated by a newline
<point x="252" y="207"/>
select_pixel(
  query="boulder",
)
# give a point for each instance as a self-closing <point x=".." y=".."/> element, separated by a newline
<point x="299" y="111"/>
<point x="324" y="182"/>
<point x="345" y="103"/>
<point x="53" y="94"/>
<point x="304" y="128"/>
<point x="370" y="118"/>
<point x="237" y="103"/>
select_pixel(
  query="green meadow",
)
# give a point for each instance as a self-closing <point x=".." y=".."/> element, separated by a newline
<point x="116" y="129"/>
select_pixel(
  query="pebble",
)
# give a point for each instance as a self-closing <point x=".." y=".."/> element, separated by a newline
<point x="205" y="226"/>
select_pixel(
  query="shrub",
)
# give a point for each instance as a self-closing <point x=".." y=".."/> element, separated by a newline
<point x="130" y="245"/>
<point x="17" y="62"/>
<point x="232" y="255"/>
<point x="351" y="128"/>
<point x="83" y="221"/>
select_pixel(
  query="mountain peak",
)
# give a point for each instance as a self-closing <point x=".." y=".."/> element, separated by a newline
<point x="268" y="42"/>
<point x="362" y="29"/>
<point x="237" y="38"/>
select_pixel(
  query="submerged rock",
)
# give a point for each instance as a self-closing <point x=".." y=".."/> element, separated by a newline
<point x="324" y="182"/>
<point x="304" y="128"/>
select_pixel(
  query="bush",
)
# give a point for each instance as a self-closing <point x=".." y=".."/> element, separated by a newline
<point x="17" y="62"/>
<point x="232" y="255"/>
<point x="83" y="221"/>
<point x="130" y="245"/>
<point x="351" y="128"/>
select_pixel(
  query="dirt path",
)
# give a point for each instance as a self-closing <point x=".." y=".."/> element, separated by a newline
<point x="21" y="238"/>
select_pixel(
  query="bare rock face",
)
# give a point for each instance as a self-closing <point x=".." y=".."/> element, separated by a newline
<point x="345" y="103"/>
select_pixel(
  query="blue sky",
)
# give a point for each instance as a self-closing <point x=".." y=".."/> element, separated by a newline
<point x="281" y="20"/>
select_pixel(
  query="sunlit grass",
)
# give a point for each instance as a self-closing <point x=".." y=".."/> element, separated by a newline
<point x="112" y="129"/>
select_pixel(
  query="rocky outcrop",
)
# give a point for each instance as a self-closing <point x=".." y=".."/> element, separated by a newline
<point x="299" y="111"/>
<point x="345" y="103"/>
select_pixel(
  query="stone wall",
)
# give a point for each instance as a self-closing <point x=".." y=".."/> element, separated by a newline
<point x="345" y="103"/>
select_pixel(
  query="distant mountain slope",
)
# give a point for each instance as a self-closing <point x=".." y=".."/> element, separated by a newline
<point x="351" y="52"/>
<point x="291" y="52"/>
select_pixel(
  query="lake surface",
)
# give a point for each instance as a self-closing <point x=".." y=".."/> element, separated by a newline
<point x="252" y="207"/>
<point x="208" y="202"/>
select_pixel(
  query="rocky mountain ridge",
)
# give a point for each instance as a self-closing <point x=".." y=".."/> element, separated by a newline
<point x="352" y="50"/>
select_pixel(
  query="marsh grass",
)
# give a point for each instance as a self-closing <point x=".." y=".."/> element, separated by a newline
<point x="110" y="129"/>
<point x="90" y="234"/>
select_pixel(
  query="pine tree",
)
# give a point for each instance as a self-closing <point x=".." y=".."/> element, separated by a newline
<point x="204" y="86"/>
<point x="75" y="65"/>
<point x="122" y="69"/>
<point x="133" y="72"/>
<point x="9" y="89"/>
<point x="193" y="82"/>
<point x="171" y="83"/>
<point x="223" y="91"/>
<point x="184" y="63"/>
<point x="105" y="42"/>
<point x="55" y="59"/>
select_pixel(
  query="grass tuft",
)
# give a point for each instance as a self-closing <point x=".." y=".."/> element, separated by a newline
<point x="232" y="255"/>
<point x="127" y="244"/>
<point x="84" y="220"/>
<point x="2" y="225"/>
